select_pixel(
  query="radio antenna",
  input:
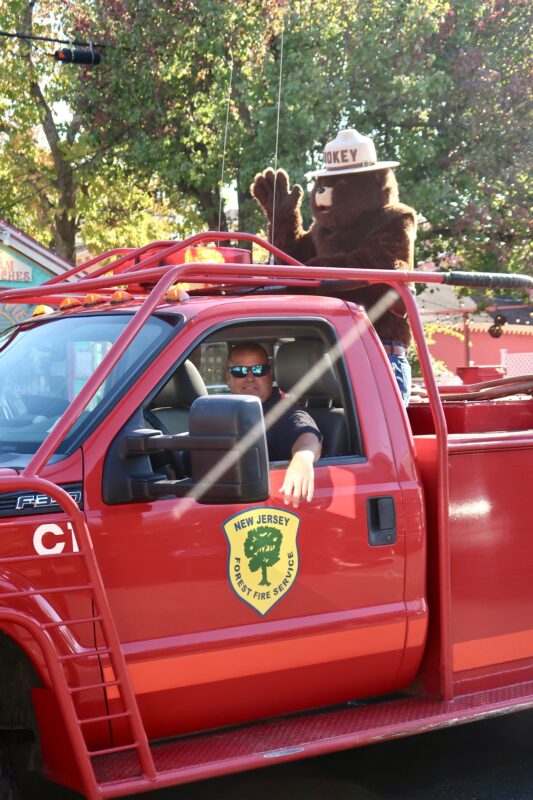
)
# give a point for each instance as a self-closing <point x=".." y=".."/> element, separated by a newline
<point x="225" y="143"/>
<point x="273" y="227"/>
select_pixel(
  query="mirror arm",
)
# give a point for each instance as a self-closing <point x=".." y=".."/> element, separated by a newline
<point x="218" y="425"/>
<point x="150" y="488"/>
<point x="146" y="440"/>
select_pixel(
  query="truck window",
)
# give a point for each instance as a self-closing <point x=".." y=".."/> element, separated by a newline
<point x="210" y="360"/>
<point x="292" y="349"/>
<point x="45" y="363"/>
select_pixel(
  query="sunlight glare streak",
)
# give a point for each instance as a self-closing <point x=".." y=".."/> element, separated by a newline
<point x="298" y="391"/>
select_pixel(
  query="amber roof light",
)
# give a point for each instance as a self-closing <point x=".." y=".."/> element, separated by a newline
<point x="176" y="293"/>
<point x="93" y="299"/>
<point x="41" y="309"/>
<point x="69" y="302"/>
<point x="120" y="296"/>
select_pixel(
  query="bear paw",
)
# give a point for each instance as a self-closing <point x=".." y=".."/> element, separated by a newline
<point x="272" y="192"/>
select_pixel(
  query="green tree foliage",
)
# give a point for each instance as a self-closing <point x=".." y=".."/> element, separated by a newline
<point x="448" y="92"/>
<point x="442" y="86"/>
<point x="261" y="548"/>
<point x="59" y="175"/>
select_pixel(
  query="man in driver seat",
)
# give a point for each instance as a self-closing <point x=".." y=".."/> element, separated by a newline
<point x="292" y="434"/>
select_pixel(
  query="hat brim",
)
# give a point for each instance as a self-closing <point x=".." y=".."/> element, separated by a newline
<point x="371" y="168"/>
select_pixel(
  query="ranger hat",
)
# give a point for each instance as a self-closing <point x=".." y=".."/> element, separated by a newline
<point x="350" y="151"/>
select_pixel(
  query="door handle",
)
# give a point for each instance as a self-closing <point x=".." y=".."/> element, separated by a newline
<point x="381" y="519"/>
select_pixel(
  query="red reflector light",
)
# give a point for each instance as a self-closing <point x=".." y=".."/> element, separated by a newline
<point x="203" y="254"/>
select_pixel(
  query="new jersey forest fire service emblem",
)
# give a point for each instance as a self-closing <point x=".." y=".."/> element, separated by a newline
<point x="263" y="555"/>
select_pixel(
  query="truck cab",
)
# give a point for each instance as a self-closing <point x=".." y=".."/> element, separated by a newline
<point x="156" y="588"/>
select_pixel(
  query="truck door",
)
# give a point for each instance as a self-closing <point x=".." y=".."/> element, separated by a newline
<point x="230" y="613"/>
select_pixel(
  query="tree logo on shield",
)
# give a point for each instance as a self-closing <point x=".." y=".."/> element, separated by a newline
<point x="263" y="555"/>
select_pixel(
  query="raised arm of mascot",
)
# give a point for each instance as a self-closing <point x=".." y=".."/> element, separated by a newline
<point x="358" y="222"/>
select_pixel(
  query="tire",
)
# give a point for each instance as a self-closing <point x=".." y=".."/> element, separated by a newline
<point x="8" y="789"/>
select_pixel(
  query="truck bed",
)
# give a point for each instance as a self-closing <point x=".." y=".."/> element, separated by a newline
<point x="490" y="452"/>
<point x="485" y="416"/>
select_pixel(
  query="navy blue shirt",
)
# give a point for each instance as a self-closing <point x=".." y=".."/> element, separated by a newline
<point x="283" y="433"/>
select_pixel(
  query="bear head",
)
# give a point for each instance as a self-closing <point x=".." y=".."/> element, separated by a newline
<point x="337" y="201"/>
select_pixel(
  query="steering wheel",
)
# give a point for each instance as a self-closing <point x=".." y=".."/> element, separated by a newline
<point x="6" y="411"/>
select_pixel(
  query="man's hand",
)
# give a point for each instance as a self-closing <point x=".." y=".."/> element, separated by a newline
<point x="299" y="480"/>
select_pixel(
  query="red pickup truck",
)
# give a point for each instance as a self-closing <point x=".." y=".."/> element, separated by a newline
<point x="164" y="616"/>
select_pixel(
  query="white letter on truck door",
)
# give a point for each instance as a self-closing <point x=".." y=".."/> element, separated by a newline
<point x="41" y="532"/>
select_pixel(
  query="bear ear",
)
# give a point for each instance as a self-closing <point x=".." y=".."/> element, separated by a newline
<point x="380" y="187"/>
<point x="388" y="185"/>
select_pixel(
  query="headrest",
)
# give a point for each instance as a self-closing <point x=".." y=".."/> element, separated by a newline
<point x="295" y="360"/>
<point x="185" y="385"/>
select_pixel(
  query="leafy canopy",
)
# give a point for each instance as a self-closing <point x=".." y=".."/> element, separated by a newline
<point x="134" y="147"/>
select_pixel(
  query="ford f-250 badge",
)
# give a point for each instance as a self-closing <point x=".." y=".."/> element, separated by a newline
<point x="263" y="555"/>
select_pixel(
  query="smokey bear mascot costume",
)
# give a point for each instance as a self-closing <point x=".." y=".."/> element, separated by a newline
<point x="358" y="222"/>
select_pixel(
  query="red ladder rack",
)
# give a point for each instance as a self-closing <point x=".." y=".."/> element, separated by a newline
<point x="46" y="633"/>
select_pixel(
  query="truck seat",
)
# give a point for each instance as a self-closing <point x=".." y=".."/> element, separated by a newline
<point x="294" y="361"/>
<point x="169" y="409"/>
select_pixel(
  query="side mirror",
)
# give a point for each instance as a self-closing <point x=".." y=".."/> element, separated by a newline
<point x="228" y="456"/>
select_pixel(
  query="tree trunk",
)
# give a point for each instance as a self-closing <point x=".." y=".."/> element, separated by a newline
<point x="210" y="202"/>
<point x="64" y="242"/>
<point x="264" y="581"/>
<point x="65" y="216"/>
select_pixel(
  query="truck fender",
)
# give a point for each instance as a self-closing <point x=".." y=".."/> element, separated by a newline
<point x="18" y="724"/>
<point x="37" y="607"/>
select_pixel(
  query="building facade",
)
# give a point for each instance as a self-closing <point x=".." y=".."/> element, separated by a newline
<point x="24" y="262"/>
<point x="460" y="336"/>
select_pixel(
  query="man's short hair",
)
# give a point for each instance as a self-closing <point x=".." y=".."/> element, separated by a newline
<point x="242" y="346"/>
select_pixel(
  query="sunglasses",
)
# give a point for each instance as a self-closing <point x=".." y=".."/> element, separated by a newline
<point x="257" y="370"/>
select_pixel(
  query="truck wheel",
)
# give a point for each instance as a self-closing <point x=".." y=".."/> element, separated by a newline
<point x="8" y="790"/>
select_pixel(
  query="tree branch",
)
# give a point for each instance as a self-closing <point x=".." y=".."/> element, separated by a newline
<point x="74" y="128"/>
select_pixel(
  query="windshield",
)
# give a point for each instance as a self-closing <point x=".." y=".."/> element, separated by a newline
<point x="43" y="366"/>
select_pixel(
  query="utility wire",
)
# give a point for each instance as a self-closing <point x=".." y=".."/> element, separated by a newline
<point x="77" y="42"/>
<point x="98" y="153"/>
<point x="87" y="159"/>
<point x="277" y="137"/>
<point x="83" y="161"/>
<point x="22" y="199"/>
<point x="21" y="180"/>
<point x="230" y="86"/>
